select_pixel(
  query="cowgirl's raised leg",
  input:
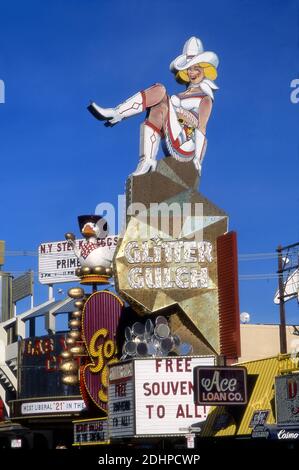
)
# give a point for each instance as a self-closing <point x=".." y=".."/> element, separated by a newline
<point x="155" y="101"/>
<point x="136" y="104"/>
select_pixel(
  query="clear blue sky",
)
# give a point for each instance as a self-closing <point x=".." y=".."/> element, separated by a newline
<point x="57" y="162"/>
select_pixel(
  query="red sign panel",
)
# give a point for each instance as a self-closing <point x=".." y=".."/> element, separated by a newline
<point x="220" y="385"/>
<point x="228" y="293"/>
<point x="99" y="326"/>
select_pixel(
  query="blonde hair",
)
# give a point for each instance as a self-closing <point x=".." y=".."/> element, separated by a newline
<point x="209" y="71"/>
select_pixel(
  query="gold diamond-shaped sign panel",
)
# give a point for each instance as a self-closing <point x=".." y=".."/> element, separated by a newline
<point x="167" y="255"/>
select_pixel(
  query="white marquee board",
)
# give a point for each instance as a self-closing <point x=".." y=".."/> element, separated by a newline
<point x="57" y="261"/>
<point x="164" y="397"/>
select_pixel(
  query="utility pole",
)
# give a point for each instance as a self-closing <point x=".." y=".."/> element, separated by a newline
<point x="286" y="254"/>
<point x="282" y="325"/>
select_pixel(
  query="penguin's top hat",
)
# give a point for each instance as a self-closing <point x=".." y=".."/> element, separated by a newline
<point x="94" y="219"/>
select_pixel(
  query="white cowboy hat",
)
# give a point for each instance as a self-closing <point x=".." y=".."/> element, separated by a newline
<point x="193" y="53"/>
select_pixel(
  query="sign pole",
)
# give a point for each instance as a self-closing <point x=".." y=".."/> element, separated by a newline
<point x="50" y="292"/>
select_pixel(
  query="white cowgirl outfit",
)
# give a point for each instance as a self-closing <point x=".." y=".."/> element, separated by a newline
<point x="183" y="125"/>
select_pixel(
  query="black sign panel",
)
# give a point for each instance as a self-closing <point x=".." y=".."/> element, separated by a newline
<point x="220" y="385"/>
<point x="260" y="432"/>
<point x="259" y="417"/>
<point x="275" y="432"/>
<point x="284" y="432"/>
<point x="91" y="431"/>
<point x="39" y="374"/>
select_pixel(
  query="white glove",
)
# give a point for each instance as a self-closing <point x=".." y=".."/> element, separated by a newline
<point x="200" y="149"/>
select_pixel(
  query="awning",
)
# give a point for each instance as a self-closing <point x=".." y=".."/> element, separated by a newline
<point x="56" y="307"/>
<point x="8" y="428"/>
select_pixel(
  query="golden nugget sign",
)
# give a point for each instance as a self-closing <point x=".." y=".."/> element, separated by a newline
<point x="168" y="265"/>
<point x="100" y="320"/>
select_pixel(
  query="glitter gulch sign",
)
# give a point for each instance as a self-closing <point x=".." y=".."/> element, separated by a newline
<point x="99" y="326"/>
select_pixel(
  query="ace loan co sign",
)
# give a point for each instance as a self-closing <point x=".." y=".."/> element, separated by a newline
<point x="220" y="385"/>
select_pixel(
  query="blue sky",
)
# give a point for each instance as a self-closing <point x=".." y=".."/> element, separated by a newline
<point x="57" y="162"/>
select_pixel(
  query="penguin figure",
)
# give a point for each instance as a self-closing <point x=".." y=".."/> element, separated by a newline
<point x="91" y="253"/>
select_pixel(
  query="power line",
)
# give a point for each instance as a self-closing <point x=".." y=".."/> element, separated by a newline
<point x="253" y="277"/>
<point x="241" y="256"/>
<point x="21" y="253"/>
<point x="242" y="277"/>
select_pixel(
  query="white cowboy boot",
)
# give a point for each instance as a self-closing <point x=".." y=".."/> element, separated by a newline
<point x="149" y="146"/>
<point x="200" y="149"/>
<point x="133" y="105"/>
